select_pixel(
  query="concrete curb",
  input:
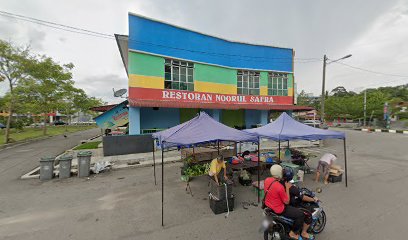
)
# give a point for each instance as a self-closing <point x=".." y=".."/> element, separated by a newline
<point x="382" y="130"/>
<point x="37" y="176"/>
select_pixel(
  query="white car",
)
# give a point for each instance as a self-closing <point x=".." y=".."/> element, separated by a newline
<point x="313" y="123"/>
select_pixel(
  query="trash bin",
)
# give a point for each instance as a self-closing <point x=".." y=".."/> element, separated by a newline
<point x="46" y="168"/>
<point x="65" y="166"/>
<point x="84" y="163"/>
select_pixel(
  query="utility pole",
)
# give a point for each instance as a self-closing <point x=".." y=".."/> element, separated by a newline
<point x="323" y="90"/>
<point x="324" y="83"/>
<point x="365" y="106"/>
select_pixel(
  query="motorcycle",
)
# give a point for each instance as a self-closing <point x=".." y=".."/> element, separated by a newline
<point x="276" y="227"/>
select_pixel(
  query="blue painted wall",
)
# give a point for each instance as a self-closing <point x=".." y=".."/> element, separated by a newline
<point x="163" y="39"/>
<point x="134" y="120"/>
<point x="162" y="118"/>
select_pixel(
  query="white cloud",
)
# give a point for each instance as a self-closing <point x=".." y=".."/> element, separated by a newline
<point x="374" y="31"/>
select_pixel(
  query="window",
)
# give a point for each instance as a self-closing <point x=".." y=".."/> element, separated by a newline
<point x="277" y="84"/>
<point x="248" y="82"/>
<point x="178" y="75"/>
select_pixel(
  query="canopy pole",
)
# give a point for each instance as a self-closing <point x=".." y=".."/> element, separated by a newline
<point x="259" y="159"/>
<point x="154" y="165"/>
<point x="218" y="143"/>
<point x="345" y="160"/>
<point x="162" y="163"/>
<point x="279" y="157"/>
<point x="288" y="144"/>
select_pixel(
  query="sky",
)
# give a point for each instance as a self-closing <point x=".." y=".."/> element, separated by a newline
<point x="375" y="32"/>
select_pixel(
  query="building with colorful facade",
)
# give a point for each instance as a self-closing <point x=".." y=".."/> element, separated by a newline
<point x="175" y="72"/>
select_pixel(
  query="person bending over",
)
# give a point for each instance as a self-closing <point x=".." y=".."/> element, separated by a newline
<point x="216" y="166"/>
<point x="324" y="165"/>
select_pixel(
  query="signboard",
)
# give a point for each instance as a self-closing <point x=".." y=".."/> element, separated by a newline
<point x="176" y="98"/>
<point x="115" y="117"/>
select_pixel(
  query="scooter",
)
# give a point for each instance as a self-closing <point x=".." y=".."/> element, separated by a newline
<point x="276" y="227"/>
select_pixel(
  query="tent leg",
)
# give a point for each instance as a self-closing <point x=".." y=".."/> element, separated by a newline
<point x="218" y="147"/>
<point x="345" y="160"/>
<point x="259" y="159"/>
<point x="288" y="144"/>
<point x="154" y="165"/>
<point x="279" y="157"/>
<point x="162" y="163"/>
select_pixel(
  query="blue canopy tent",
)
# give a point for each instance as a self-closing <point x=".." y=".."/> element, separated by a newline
<point x="285" y="128"/>
<point x="200" y="129"/>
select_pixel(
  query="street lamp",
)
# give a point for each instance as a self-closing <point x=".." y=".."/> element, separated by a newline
<point x="324" y="83"/>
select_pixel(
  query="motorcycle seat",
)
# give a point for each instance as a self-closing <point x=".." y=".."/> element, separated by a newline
<point x="278" y="217"/>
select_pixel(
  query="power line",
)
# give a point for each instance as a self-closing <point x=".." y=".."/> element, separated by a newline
<point x="109" y="36"/>
<point x="371" y="71"/>
<point x="53" y="23"/>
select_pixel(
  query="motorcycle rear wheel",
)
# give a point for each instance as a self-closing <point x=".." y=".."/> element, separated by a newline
<point x="320" y="224"/>
<point x="277" y="233"/>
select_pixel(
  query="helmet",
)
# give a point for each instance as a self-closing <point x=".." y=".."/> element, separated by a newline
<point x="287" y="174"/>
<point x="276" y="171"/>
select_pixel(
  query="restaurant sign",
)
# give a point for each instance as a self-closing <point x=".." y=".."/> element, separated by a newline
<point x="176" y="96"/>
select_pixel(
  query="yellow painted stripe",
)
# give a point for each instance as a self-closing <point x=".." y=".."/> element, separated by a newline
<point x="263" y="91"/>
<point x="146" y="81"/>
<point x="290" y="92"/>
<point x="214" y="87"/>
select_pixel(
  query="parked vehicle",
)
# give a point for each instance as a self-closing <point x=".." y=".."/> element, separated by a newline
<point x="38" y="124"/>
<point x="276" y="227"/>
<point x="2" y="126"/>
<point x="58" y="123"/>
<point x="312" y="123"/>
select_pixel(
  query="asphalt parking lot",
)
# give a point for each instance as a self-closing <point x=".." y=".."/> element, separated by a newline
<point x="125" y="204"/>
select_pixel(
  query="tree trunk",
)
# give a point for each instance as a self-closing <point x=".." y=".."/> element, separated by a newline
<point x="10" y="111"/>
<point x="7" y="134"/>
<point x="45" y="125"/>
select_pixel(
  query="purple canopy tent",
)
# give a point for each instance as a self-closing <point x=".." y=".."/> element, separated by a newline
<point x="200" y="129"/>
<point x="285" y="128"/>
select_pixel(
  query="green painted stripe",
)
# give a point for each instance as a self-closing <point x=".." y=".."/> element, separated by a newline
<point x="207" y="73"/>
<point x="147" y="65"/>
<point x="264" y="79"/>
<point x="290" y="80"/>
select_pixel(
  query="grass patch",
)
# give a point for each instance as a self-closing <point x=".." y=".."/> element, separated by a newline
<point x="31" y="132"/>
<point x="88" y="145"/>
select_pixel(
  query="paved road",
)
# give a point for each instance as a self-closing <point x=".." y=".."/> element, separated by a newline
<point x="125" y="204"/>
<point x="18" y="160"/>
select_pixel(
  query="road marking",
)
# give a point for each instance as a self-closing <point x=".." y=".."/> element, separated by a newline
<point x="24" y="150"/>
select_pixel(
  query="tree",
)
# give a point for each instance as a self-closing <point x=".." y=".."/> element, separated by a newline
<point x="13" y="68"/>
<point x="47" y="87"/>
<point x="339" y="91"/>
<point x="77" y="101"/>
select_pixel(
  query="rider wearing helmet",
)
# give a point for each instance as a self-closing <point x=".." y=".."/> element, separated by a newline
<point x="296" y="199"/>
<point x="277" y="198"/>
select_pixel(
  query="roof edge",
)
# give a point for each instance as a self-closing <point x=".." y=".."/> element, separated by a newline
<point x="214" y="36"/>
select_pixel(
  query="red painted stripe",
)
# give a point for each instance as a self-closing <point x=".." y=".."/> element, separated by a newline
<point x="147" y="97"/>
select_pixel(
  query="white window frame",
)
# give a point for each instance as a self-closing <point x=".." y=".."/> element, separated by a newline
<point x="251" y="86"/>
<point x="176" y="76"/>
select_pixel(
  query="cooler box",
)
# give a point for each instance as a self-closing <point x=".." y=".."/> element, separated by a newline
<point x="220" y="206"/>
<point x="218" y="191"/>
<point x="333" y="178"/>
